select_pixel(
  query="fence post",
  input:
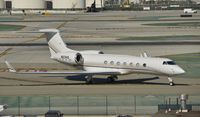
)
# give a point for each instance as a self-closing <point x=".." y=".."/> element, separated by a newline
<point x="135" y="104"/>
<point x="77" y="105"/>
<point x="49" y="103"/>
<point x="177" y="103"/>
<point x="106" y="105"/>
<point x="19" y="106"/>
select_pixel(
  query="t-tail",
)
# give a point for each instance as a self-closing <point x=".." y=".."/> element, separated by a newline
<point x="55" y="42"/>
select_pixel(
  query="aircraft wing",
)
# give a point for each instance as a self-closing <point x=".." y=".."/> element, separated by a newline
<point x="11" y="69"/>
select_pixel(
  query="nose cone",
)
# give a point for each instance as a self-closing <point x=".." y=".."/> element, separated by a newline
<point x="179" y="71"/>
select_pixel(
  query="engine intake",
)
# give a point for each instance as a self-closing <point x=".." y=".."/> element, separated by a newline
<point x="79" y="59"/>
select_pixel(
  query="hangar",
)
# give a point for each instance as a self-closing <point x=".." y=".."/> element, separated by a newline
<point x="48" y="4"/>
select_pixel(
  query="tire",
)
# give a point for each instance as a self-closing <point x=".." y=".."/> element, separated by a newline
<point x="171" y="84"/>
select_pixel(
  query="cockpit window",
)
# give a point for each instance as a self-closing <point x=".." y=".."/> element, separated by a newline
<point x="164" y="63"/>
<point x="169" y="63"/>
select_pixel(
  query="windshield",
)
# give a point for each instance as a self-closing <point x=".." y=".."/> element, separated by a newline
<point x="169" y="63"/>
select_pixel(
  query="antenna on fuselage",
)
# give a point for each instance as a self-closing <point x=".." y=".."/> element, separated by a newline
<point x="144" y="54"/>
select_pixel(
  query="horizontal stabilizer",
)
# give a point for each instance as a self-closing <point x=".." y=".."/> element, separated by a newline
<point x="10" y="67"/>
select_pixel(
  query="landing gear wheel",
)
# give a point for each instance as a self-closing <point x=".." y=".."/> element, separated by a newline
<point x="171" y="84"/>
<point x="112" y="79"/>
<point x="89" y="80"/>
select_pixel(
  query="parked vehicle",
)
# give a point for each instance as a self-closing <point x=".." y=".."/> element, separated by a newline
<point x="189" y="10"/>
<point x="53" y="113"/>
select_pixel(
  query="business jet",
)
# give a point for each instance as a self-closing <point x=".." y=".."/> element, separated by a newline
<point x="95" y="62"/>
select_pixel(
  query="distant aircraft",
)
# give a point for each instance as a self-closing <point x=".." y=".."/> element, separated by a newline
<point x="95" y="62"/>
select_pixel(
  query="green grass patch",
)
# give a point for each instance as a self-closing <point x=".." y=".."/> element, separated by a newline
<point x="151" y="18"/>
<point x="180" y="24"/>
<point x="176" y="37"/>
<point x="4" y="27"/>
<point x="26" y="101"/>
<point x="10" y="19"/>
<point x="189" y="62"/>
<point x="11" y="101"/>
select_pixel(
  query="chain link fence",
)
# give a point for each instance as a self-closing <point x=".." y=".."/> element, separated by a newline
<point x="90" y="105"/>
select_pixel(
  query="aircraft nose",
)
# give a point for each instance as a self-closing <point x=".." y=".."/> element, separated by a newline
<point x="180" y="71"/>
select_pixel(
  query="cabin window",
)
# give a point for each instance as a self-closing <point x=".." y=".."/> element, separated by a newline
<point x="144" y="65"/>
<point x="131" y="64"/>
<point x="105" y="62"/>
<point x="124" y="63"/>
<point x="118" y="63"/>
<point x="111" y="62"/>
<point x="101" y="52"/>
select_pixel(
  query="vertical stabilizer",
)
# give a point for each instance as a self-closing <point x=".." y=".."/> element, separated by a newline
<point x="55" y="41"/>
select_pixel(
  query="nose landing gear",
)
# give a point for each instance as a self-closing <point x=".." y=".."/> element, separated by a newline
<point x="171" y="83"/>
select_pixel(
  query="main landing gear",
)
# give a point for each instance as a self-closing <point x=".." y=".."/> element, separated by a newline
<point x="89" y="79"/>
<point x="171" y="83"/>
<point x="110" y="79"/>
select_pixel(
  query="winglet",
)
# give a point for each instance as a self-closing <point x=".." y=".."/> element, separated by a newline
<point x="10" y="67"/>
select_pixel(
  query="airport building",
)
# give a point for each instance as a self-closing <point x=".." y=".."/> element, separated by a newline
<point x="48" y="4"/>
<point x="83" y="4"/>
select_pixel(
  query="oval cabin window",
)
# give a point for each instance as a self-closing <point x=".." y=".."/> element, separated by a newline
<point x="105" y="62"/>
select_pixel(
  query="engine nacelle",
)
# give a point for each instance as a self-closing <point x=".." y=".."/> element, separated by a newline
<point x="73" y="58"/>
<point x="91" y="52"/>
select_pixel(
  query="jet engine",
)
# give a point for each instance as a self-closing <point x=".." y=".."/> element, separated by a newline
<point x="73" y="58"/>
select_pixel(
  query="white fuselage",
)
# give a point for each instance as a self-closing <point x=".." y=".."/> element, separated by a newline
<point x="124" y="64"/>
